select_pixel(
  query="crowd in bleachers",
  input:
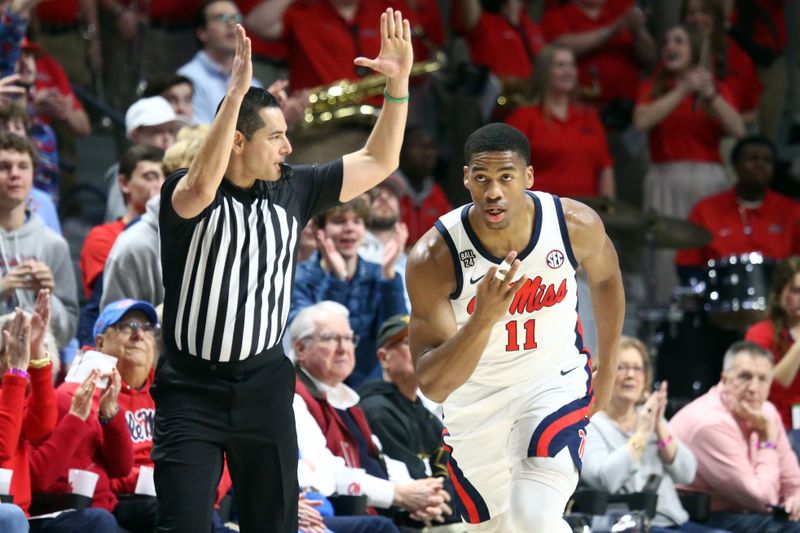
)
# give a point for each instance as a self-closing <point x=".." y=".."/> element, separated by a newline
<point x="678" y="120"/>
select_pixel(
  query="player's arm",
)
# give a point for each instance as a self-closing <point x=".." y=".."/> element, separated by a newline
<point x="380" y="156"/>
<point x="445" y="356"/>
<point x="596" y="254"/>
<point x="197" y="189"/>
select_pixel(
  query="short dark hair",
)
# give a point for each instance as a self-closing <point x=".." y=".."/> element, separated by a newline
<point x="249" y="121"/>
<point x="497" y="137"/>
<point x="359" y="205"/>
<point x="755" y="139"/>
<point x="13" y="111"/>
<point x="157" y="85"/>
<point x="15" y="143"/>
<point x="136" y="153"/>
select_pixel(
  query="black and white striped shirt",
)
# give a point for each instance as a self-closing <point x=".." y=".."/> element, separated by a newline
<point x="228" y="272"/>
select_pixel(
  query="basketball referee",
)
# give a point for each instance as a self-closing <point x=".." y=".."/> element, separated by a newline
<point x="229" y="228"/>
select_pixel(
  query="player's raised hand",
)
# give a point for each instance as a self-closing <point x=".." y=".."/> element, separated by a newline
<point x="242" y="69"/>
<point x="396" y="55"/>
<point x="497" y="288"/>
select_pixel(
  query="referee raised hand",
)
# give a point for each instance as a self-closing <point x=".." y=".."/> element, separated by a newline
<point x="229" y="230"/>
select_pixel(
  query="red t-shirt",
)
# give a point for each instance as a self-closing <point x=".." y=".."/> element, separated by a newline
<point x="567" y="156"/>
<point x="96" y="247"/>
<point x="774" y="228"/>
<point x="23" y="419"/>
<point x="420" y="211"/>
<point x="507" y="51"/>
<point x="742" y="77"/>
<point x="269" y="49"/>
<point x="763" y="33"/>
<point x="613" y="65"/>
<point x="687" y="133"/>
<point x="321" y="45"/>
<point x="172" y="10"/>
<point x="50" y="74"/>
<point x="762" y="333"/>
<point x="61" y="12"/>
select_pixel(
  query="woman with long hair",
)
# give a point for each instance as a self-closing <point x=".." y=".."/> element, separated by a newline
<point x="630" y="440"/>
<point x="780" y="334"/>
<point x="569" y="150"/>
<point x="729" y="61"/>
<point x="685" y="112"/>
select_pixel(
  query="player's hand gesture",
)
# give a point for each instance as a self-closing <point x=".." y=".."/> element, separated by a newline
<point x="497" y="288"/>
<point x="242" y="70"/>
<point x="397" y="55"/>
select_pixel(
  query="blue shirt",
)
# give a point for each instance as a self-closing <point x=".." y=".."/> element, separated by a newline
<point x="210" y="82"/>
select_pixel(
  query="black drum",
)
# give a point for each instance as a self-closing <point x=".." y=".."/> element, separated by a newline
<point x="737" y="288"/>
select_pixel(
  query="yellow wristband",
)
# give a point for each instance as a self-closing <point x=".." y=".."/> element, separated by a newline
<point x="40" y="363"/>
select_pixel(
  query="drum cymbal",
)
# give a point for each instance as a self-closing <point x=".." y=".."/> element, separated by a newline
<point x="666" y="232"/>
<point x="615" y="214"/>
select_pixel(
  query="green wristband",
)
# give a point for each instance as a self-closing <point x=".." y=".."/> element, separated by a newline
<point x="394" y="100"/>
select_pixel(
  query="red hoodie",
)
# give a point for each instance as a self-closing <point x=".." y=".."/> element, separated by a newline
<point x="24" y="419"/>
<point x="101" y="448"/>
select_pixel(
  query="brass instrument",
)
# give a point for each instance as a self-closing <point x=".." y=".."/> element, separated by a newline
<point x="343" y="99"/>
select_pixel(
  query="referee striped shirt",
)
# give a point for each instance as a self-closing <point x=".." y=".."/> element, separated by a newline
<point x="228" y="272"/>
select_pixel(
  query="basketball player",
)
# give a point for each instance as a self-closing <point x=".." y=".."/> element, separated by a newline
<point x="495" y="336"/>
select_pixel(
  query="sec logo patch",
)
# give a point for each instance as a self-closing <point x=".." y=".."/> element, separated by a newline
<point x="555" y="259"/>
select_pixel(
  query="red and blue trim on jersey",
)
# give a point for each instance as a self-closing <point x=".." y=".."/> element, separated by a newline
<point x="469" y="503"/>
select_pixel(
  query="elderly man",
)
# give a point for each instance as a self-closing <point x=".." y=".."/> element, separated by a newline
<point x="744" y="459"/>
<point x="324" y="346"/>
<point x="408" y="431"/>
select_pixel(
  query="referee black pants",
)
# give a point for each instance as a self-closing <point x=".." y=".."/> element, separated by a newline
<point x="243" y="410"/>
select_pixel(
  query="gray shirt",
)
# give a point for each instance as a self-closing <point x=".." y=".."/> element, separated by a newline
<point x="608" y="465"/>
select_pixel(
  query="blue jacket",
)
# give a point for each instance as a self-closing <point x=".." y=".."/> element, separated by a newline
<point x="369" y="298"/>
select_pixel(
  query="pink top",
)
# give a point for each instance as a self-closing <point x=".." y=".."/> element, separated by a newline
<point x="730" y="466"/>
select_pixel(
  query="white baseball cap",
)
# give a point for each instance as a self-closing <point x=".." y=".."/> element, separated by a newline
<point x="152" y="111"/>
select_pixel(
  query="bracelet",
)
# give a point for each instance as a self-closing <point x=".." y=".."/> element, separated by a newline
<point x="767" y="445"/>
<point x="394" y="100"/>
<point x="40" y="363"/>
<point x="637" y="444"/>
<point x="17" y="372"/>
<point x="664" y="443"/>
<point x="105" y="421"/>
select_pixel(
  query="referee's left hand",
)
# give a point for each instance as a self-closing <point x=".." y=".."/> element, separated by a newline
<point x="242" y="69"/>
<point x="397" y="55"/>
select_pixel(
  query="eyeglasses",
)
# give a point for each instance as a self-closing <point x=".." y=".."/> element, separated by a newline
<point x="624" y="369"/>
<point x="127" y="328"/>
<point x="226" y="18"/>
<point x="335" y="338"/>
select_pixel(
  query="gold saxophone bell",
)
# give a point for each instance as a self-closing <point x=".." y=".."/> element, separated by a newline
<point x="342" y="100"/>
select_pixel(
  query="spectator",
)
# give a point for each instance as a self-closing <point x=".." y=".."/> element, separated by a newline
<point x="12" y="518"/>
<point x="210" y="69"/>
<point x="29" y="415"/>
<point x="610" y="40"/>
<point x="323" y="344"/>
<point x="150" y="121"/>
<point x="685" y="112"/>
<point x="385" y="232"/>
<point x="554" y="124"/>
<point x="140" y="178"/>
<point x="133" y="267"/>
<point x="371" y="292"/>
<point x="630" y="440"/>
<point x="778" y="333"/>
<point x="501" y="36"/>
<point x="408" y="431"/>
<point x="747" y="218"/>
<point x="177" y="90"/>
<point x="422" y="200"/>
<point x="33" y="256"/>
<point x="744" y="459"/>
<point x="730" y="62"/>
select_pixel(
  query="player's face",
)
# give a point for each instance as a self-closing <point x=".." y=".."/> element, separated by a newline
<point x="329" y="354"/>
<point x="268" y="147"/>
<point x="346" y="230"/>
<point x="497" y="182"/>
<point x="748" y="381"/>
<point x="631" y="376"/>
<point x="790" y="299"/>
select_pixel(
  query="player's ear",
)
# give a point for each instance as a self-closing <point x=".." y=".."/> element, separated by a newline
<point x="466" y="175"/>
<point x="529" y="177"/>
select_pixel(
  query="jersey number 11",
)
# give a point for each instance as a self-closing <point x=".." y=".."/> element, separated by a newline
<point x="530" y="335"/>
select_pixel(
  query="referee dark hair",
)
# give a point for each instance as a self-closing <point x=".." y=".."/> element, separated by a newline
<point x="229" y="228"/>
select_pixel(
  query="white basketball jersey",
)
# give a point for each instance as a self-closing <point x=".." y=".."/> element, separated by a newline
<point x="540" y="329"/>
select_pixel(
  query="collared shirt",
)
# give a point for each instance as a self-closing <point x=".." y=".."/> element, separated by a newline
<point x="340" y="397"/>
<point x="210" y="80"/>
